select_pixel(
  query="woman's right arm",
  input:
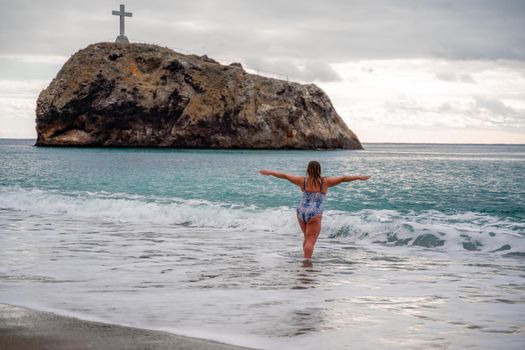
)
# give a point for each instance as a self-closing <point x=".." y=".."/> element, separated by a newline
<point x="296" y="180"/>
<point x="336" y="180"/>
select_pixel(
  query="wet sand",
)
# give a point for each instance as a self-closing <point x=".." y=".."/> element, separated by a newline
<point x="26" y="329"/>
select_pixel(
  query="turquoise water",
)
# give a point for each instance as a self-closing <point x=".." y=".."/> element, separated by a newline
<point x="448" y="178"/>
<point x="427" y="253"/>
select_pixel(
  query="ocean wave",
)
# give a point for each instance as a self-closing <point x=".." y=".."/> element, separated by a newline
<point x="465" y="231"/>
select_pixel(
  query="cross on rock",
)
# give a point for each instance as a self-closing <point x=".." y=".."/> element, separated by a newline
<point x="122" y="13"/>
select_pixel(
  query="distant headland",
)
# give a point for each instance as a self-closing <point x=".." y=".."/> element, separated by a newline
<point x="142" y="95"/>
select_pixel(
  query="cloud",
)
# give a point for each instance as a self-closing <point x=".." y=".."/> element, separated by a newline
<point x="386" y="64"/>
<point x="17" y="107"/>
<point x="44" y="59"/>
<point x="310" y="71"/>
<point x="28" y="67"/>
<point x="21" y="89"/>
<point x="495" y="113"/>
<point x="455" y="77"/>
<point x="384" y="99"/>
<point x="332" y="30"/>
<point x="319" y="71"/>
<point x="480" y="112"/>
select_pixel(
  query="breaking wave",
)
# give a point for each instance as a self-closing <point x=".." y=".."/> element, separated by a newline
<point x="465" y="231"/>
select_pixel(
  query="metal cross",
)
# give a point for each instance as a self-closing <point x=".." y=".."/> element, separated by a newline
<point x="122" y="13"/>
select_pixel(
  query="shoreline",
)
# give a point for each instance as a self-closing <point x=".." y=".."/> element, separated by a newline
<point x="27" y="329"/>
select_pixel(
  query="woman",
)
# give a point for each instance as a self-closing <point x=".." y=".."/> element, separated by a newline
<point x="310" y="209"/>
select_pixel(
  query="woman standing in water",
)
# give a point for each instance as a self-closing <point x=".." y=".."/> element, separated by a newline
<point x="310" y="209"/>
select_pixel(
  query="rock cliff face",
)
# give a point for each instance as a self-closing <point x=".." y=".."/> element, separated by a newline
<point x="140" y="95"/>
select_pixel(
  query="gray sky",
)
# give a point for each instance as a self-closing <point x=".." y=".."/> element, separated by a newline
<point x="462" y="44"/>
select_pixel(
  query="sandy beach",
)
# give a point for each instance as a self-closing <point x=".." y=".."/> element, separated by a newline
<point x="26" y="329"/>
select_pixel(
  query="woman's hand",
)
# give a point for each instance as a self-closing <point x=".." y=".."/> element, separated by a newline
<point x="364" y="177"/>
<point x="265" y="172"/>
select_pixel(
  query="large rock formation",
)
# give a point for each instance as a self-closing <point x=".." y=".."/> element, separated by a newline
<point x="139" y="95"/>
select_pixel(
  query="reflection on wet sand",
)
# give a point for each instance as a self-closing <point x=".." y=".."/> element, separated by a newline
<point x="306" y="276"/>
<point x="308" y="263"/>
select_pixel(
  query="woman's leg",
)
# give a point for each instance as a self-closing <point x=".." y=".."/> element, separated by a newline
<point x="302" y="224"/>
<point x="313" y="228"/>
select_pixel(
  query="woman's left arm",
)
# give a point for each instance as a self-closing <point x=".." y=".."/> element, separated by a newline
<point x="336" y="180"/>
<point x="296" y="180"/>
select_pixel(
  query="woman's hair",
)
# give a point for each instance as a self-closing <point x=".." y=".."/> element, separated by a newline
<point x="314" y="172"/>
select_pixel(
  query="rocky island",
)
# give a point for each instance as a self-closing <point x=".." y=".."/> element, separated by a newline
<point x="142" y="95"/>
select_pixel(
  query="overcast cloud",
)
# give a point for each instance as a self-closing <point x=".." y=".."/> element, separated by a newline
<point x="461" y="52"/>
<point x="334" y="31"/>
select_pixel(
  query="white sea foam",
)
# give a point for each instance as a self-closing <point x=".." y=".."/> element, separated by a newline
<point x="430" y="229"/>
<point x="209" y="269"/>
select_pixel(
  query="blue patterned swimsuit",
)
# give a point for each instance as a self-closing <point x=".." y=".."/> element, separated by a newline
<point x="311" y="205"/>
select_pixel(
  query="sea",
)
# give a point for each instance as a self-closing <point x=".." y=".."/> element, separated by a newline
<point x="427" y="254"/>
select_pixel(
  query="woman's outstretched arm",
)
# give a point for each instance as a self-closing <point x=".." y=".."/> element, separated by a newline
<point x="336" y="180"/>
<point x="296" y="180"/>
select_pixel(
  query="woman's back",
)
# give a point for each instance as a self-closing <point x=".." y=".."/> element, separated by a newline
<point x="311" y="186"/>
